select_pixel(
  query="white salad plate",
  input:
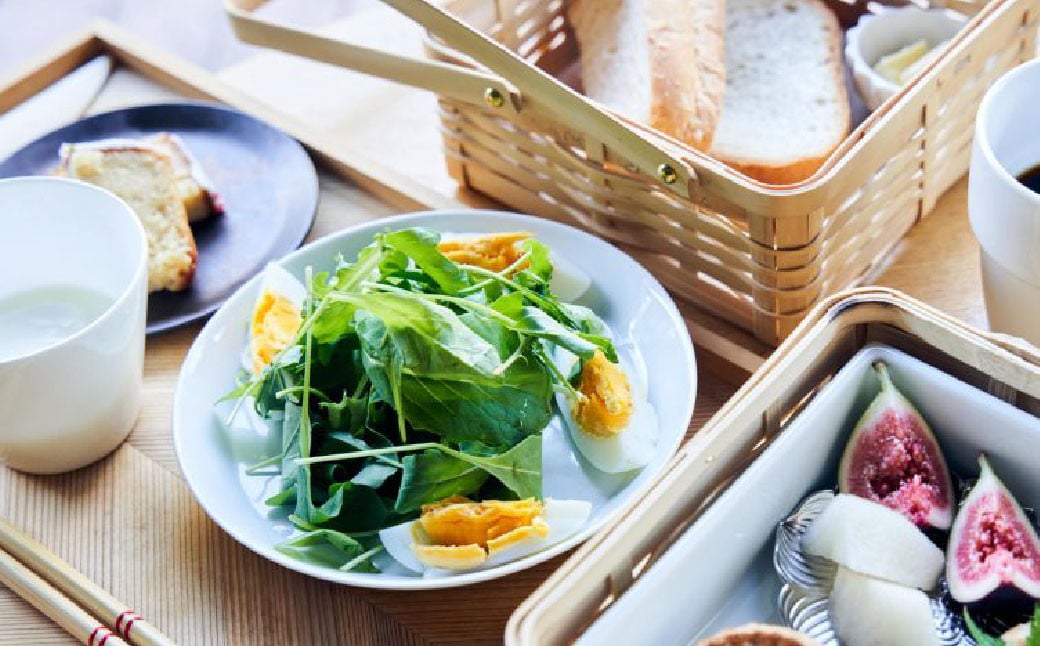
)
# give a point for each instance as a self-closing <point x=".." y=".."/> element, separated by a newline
<point x="647" y="326"/>
<point x="719" y="574"/>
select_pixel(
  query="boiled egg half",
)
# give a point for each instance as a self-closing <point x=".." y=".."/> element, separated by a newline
<point x="276" y="317"/>
<point x="611" y="422"/>
<point x="499" y="251"/>
<point x="458" y="534"/>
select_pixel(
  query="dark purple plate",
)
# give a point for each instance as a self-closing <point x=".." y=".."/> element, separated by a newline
<point x="264" y="178"/>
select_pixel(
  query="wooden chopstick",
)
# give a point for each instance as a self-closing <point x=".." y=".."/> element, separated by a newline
<point x="27" y="585"/>
<point x="116" y="615"/>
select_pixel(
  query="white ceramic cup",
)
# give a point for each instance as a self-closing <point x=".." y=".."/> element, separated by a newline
<point x="1005" y="215"/>
<point x="73" y="296"/>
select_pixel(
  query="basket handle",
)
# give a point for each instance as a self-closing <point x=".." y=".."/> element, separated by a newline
<point x="526" y="84"/>
<point x="449" y="80"/>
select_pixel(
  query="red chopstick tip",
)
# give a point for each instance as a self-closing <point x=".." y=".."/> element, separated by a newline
<point x="129" y="617"/>
<point x="99" y="636"/>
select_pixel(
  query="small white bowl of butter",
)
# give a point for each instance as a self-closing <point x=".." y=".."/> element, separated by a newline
<point x="73" y="297"/>
<point x="888" y="49"/>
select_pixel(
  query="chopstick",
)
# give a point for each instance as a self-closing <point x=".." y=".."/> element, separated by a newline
<point x="16" y="546"/>
<point x="27" y="585"/>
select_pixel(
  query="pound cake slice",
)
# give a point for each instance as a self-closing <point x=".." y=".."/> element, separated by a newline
<point x="144" y="178"/>
<point x="192" y="184"/>
<point x="658" y="62"/>
<point x="785" y="108"/>
<point x="189" y="180"/>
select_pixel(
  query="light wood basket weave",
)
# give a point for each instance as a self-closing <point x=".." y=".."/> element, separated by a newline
<point x="758" y="256"/>
<point x="610" y="562"/>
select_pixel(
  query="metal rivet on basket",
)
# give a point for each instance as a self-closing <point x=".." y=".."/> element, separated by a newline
<point x="667" y="174"/>
<point x="494" y="98"/>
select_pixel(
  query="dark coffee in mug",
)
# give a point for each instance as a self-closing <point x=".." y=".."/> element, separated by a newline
<point x="1031" y="178"/>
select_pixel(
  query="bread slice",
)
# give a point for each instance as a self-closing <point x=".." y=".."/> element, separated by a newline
<point x="785" y="108"/>
<point x="658" y="62"/>
<point x="144" y="178"/>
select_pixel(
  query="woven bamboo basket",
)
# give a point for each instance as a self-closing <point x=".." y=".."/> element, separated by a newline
<point x="758" y="256"/>
<point x="603" y="569"/>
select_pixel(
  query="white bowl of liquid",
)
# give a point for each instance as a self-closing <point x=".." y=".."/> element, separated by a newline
<point x="73" y="281"/>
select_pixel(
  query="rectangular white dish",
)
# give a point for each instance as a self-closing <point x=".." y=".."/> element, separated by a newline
<point x="719" y="573"/>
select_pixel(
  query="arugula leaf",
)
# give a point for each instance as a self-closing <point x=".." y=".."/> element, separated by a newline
<point x="421" y="246"/>
<point x="441" y="471"/>
<point x="373" y="474"/>
<point x="433" y="475"/>
<point x="328" y="548"/>
<point x="421" y="332"/>
<point x="519" y="468"/>
<point x="349" y="414"/>
<point x="537" y="323"/>
<point x="981" y="638"/>
<point x="511" y="305"/>
<point x="1034" y="628"/>
<point x="284" y="497"/>
<point x="539" y="262"/>
<point x="443" y="377"/>
<point x="374" y="261"/>
<point x="505" y="340"/>
<point x="351" y="508"/>
<point x="465" y="407"/>
<point x="334" y="318"/>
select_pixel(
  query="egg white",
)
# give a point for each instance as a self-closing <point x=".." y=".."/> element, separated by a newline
<point x="276" y="280"/>
<point x="634" y="446"/>
<point x="568" y="282"/>
<point x="564" y="517"/>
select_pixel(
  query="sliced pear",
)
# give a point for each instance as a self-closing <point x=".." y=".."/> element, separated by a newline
<point x="872" y="539"/>
<point x="870" y="612"/>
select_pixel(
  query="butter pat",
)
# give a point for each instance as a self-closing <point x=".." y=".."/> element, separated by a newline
<point x="903" y="64"/>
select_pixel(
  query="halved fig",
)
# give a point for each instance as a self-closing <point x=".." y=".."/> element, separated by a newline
<point x="893" y="458"/>
<point x="992" y="544"/>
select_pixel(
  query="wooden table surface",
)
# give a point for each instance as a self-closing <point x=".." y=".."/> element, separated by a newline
<point x="179" y="569"/>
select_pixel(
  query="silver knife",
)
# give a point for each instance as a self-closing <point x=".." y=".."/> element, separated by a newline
<point x="61" y="103"/>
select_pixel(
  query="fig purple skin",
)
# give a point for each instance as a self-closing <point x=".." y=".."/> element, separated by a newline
<point x="893" y="458"/>
<point x="992" y="544"/>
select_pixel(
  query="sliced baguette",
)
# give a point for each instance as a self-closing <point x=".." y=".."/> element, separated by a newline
<point x="144" y="178"/>
<point x="658" y="62"/>
<point x="785" y="108"/>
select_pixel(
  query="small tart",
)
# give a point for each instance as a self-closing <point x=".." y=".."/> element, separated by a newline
<point x="759" y="635"/>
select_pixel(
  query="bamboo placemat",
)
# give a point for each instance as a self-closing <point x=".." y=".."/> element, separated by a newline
<point x="130" y="524"/>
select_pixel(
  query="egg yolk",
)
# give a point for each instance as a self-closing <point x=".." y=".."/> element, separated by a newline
<point x="492" y="252"/>
<point x="607" y="406"/>
<point x="275" y="323"/>
<point x="457" y="533"/>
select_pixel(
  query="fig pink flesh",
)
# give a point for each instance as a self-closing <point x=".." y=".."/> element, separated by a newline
<point x="892" y="464"/>
<point x="1000" y="546"/>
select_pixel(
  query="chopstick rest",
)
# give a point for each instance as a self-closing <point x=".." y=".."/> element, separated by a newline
<point x="62" y="611"/>
<point x="36" y="557"/>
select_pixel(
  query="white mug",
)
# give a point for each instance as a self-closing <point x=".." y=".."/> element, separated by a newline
<point x="73" y="298"/>
<point x="1005" y="215"/>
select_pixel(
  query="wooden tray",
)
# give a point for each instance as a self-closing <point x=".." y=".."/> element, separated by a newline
<point x="610" y="562"/>
<point x="130" y="523"/>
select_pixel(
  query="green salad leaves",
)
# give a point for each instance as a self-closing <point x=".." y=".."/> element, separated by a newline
<point x="411" y="379"/>
<point x="983" y="639"/>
